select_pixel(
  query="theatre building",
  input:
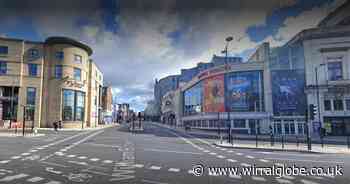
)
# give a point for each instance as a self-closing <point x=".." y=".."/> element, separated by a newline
<point x="48" y="81"/>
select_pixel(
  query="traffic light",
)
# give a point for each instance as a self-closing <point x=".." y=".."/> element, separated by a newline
<point x="312" y="111"/>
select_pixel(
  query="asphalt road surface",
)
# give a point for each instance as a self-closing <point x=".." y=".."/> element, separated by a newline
<point x="157" y="155"/>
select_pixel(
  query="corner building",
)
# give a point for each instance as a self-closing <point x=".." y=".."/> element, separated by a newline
<point x="49" y="81"/>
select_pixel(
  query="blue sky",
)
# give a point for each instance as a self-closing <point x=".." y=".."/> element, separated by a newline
<point x="137" y="41"/>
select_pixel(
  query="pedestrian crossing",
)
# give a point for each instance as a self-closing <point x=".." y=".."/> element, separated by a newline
<point x="21" y="177"/>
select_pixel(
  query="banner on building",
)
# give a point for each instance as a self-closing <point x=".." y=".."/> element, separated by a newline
<point x="193" y="99"/>
<point x="288" y="92"/>
<point x="244" y="91"/>
<point x="214" y="94"/>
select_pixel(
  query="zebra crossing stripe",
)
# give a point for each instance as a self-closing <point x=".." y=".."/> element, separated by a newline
<point x="5" y="161"/>
<point x="283" y="181"/>
<point x="95" y="159"/>
<point x="155" y="167"/>
<point x="174" y="170"/>
<point x="35" y="179"/>
<point x="14" y="177"/>
<point x="257" y="178"/>
<point x="138" y="165"/>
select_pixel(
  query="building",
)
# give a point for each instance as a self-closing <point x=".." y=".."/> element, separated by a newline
<point x="48" y="81"/>
<point x="124" y="111"/>
<point x="173" y="82"/>
<point x="271" y="91"/>
<point x="107" y="99"/>
<point x="235" y="94"/>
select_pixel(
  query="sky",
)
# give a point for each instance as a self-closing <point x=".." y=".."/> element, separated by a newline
<point x="137" y="41"/>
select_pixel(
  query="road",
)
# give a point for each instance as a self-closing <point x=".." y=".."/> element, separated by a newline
<point x="157" y="155"/>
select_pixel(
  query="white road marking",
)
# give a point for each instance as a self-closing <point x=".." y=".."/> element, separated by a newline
<point x="107" y="161"/>
<point x="212" y="153"/>
<point x="263" y="160"/>
<point x="223" y="149"/>
<point x="317" y="177"/>
<point x="235" y="176"/>
<point x="5" y="161"/>
<point x="245" y="165"/>
<point x="308" y="182"/>
<point x="102" y="145"/>
<point x="53" y="164"/>
<point x="173" y="151"/>
<point x="63" y="150"/>
<point x="82" y="157"/>
<point x="14" y="177"/>
<point x="230" y="151"/>
<point x="40" y="148"/>
<point x="206" y="151"/>
<point x="71" y="156"/>
<point x="59" y="153"/>
<point x="220" y="156"/>
<point x="138" y="165"/>
<point x="51" y="170"/>
<point x="6" y="171"/>
<point x="78" y="163"/>
<point x="25" y="154"/>
<point x="297" y="160"/>
<point x="53" y="182"/>
<point x="155" y="167"/>
<point x="251" y="157"/>
<point x="94" y="159"/>
<point x="32" y="151"/>
<point x="35" y="179"/>
<point x="283" y="181"/>
<point x="231" y="160"/>
<point x="239" y="154"/>
<point x="16" y="157"/>
<point x="258" y="178"/>
<point x="288" y="177"/>
<point x="279" y="164"/>
<point x="291" y="154"/>
<point x="174" y="170"/>
<point x="152" y="182"/>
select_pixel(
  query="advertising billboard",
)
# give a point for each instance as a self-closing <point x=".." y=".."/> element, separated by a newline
<point x="214" y="94"/>
<point x="288" y="92"/>
<point x="193" y="99"/>
<point x="244" y="91"/>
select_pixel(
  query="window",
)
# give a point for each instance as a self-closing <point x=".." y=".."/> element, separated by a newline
<point x="3" y="68"/>
<point x="77" y="74"/>
<point x="335" y="71"/>
<point x="73" y="105"/>
<point x="33" y="53"/>
<point x="338" y="105"/>
<point x="59" y="55"/>
<point x="30" y="108"/>
<point x="32" y="69"/>
<point x="327" y="105"/>
<point x="58" y="71"/>
<point x="347" y="102"/>
<point x="4" y="50"/>
<point x="68" y="105"/>
<point x="31" y="96"/>
<point x="78" y="59"/>
<point x="80" y="105"/>
<point x="239" y="123"/>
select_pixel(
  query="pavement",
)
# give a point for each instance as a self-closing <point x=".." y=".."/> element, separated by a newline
<point x="156" y="155"/>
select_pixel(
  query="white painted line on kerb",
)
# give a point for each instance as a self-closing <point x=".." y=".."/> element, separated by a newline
<point x="283" y="181"/>
<point x="258" y="178"/>
<point x="35" y="179"/>
<point x="14" y="177"/>
<point x="299" y="160"/>
<point x="308" y="182"/>
<point x="173" y="151"/>
<point x="155" y="167"/>
<point x="53" y="182"/>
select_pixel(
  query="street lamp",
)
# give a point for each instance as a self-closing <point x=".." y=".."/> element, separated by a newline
<point x="318" y="92"/>
<point x="228" y="39"/>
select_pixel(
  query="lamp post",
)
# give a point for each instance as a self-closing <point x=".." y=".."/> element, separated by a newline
<point x="318" y="92"/>
<point x="228" y="40"/>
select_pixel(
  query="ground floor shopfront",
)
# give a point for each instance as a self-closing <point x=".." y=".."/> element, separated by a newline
<point x="338" y="126"/>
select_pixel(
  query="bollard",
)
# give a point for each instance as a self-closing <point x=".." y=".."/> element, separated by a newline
<point x="297" y="141"/>
<point x="322" y="143"/>
<point x="282" y="141"/>
<point x="256" y="140"/>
